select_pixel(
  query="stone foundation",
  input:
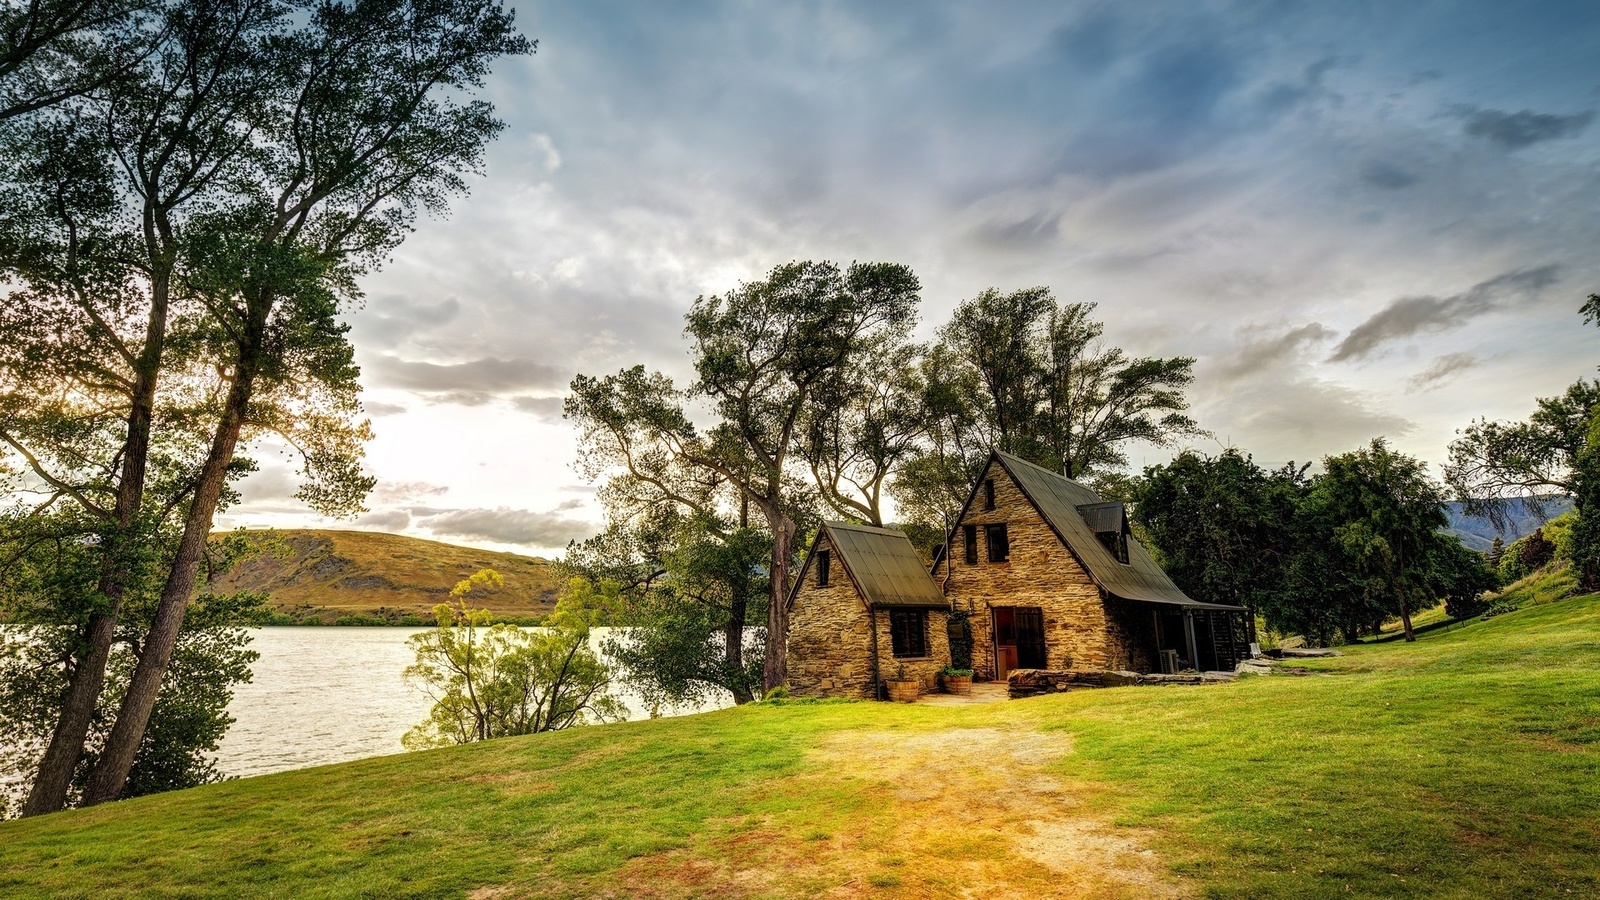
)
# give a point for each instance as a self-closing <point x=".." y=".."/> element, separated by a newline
<point x="1032" y="682"/>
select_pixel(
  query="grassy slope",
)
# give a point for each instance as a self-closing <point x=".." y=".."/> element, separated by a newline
<point x="1466" y="765"/>
<point x="331" y="573"/>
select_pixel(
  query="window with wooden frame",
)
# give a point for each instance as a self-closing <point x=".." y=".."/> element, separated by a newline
<point x="969" y="538"/>
<point x="822" y="568"/>
<point x="988" y="493"/>
<point x="908" y="633"/>
<point x="999" y="544"/>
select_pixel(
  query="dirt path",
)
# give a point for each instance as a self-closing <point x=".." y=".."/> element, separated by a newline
<point x="965" y="813"/>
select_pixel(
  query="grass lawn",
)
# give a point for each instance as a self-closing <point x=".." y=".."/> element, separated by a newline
<point x="1465" y="765"/>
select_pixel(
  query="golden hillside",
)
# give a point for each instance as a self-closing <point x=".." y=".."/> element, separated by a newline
<point x="328" y="574"/>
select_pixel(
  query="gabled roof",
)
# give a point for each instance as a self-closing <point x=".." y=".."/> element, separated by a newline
<point x="1060" y="500"/>
<point x="882" y="563"/>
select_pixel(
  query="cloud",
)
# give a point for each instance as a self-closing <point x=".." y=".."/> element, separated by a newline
<point x="391" y="520"/>
<point x="546" y="408"/>
<point x="1297" y="418"/>
<point x="387" y="492"/>
<point x="1409" y="316"/>
<point x="1521" y="129"/>
<point x="509" y="526"/>
<point x="391" y="320"/>
<point x="379" y="408"/>
<point x="1258" y="355"/>
<point x="469" y="383"/>
<point x="1387" y="175"/>
<point x="1440" y="370"/>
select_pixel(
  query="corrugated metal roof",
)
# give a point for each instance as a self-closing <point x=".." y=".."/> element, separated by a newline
<point x="1104" y="518"/>
<point x="1059" y="499"/>
<point x="884" y="565"/>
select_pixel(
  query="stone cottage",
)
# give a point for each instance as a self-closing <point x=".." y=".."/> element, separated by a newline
<point x="1050" y="576"/>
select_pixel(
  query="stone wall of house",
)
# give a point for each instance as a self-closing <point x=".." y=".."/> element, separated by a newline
<point x="830" y="639"/>
<point x="1079" y="629"/>
<point x="925" y="668"/>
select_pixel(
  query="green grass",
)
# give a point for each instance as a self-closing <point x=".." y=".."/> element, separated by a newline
<point x="1547" y="585"/>
<point x="1464" y="765"/>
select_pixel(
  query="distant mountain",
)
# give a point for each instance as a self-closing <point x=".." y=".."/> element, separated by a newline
<point x="1478" y="533"/>
<point x="327" y="574"/>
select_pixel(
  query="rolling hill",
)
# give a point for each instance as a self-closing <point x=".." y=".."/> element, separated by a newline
<point x="1478" y="533"/>
<point x="327" y="574"/>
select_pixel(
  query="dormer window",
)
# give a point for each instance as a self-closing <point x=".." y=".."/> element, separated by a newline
<point x="1109" y="522"/>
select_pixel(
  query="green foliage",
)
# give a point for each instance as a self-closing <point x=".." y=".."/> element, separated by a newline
<point x="960" y="629"/>
<point x="1222" y="527"/>
<point x="490" y="681"/>
<point x="49" y="588"/>
<point x="1022" y="373"/>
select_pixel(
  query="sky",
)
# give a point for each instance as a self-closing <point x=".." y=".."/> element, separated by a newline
<point x="1361" y="219"/>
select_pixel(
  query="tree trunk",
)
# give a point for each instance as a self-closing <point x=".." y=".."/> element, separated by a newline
<point x="776" y="671"/>
<point x="116" y="759"/>
<point x="733" y="652"/>
<point x="1405" y="614"/>
<point x="60" y="760"/>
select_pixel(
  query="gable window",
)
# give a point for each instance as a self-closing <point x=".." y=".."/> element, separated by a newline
<point x="908" y="632"/>
<point x="999" y="544"/>
<point x="988" y="493"/>
<point x="822" y="568"/>
<point x="969" y="537"/>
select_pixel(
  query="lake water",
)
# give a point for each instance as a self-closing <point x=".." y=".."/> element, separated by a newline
<point x="331" y="694"/>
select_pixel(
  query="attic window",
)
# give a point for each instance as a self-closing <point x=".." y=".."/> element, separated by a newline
<point x="1117" y="543"/>
<point x="999" y="544"/>
<point x="908" y="632"/>
<point x="822" y="568"/>
<point x="1109" y="522"/>
<point x="988" y="493"/>
<point x="969" y="537"/>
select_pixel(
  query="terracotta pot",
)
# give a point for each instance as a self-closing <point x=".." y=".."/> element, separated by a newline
<point x="958" y="684"/>
<point x="904" y="691"/>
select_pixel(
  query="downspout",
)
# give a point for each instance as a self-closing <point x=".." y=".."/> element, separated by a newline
<point x="877" y="678"/>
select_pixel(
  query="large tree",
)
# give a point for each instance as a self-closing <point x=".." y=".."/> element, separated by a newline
<point x="1025" y="374"/>
<point x="104" y="198"/>
<point x="1496" y="466"/>
<point x="1221" y="526"/>
<point x="369" y="122"/>
<point x="1388" y="517"/>
<point x="764" y="354"/>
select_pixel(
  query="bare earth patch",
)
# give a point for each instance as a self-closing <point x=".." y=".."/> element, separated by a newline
<point x="966" y="813"/>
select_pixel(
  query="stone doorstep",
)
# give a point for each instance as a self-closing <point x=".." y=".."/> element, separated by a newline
<point x="982" y="692"/>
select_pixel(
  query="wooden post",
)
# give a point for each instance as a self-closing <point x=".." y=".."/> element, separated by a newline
<point x="1188" y="633"/>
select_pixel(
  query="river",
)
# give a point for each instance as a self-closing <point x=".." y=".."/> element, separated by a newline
<point x="331" y="694"/>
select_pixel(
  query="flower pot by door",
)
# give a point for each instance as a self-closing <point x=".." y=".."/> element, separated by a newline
<point x="904" y="691"/>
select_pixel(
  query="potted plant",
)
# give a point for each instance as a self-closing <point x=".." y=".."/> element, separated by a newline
<point x="903" y="686"/>
<point x="956" y="681"/>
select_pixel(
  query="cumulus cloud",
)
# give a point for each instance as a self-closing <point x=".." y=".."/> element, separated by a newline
<point x="1410" y="316"/>
<point x="393" y="319"/>
<point x="552" y="528"/>
<point x="1439" y="372"/>
<point x="1521" y="129"/>
<point x="1263" y="353"/>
